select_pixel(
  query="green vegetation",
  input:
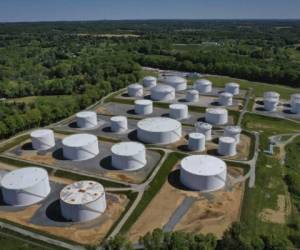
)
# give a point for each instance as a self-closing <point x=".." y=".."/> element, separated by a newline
<point x="154" y="188"/>
<point x="16" y="141"/>
<point x="268" y="126"/>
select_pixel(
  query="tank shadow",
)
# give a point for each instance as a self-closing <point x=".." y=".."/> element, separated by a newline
<point x="288" y="111"/>
<point x="259" y="102"/>
<point x="27" y="146"/>
<point x="107" y="129"/>
<point x="287" y="105"/>
<point x="174" y="180"/>
<point x="133" y="135"/>
<point x="58" y="155"/>
<point x="201" y="119"/>
<point x="125" y="95"/>
<point x="184" y="148"/>
<point x="53" y="212"/>
<point x="260" y="109"/>
<point x="106" y="163"/>
<point x="131" y="112"/>
<point x="213" y="152"/>
<point x="73" y="125"/>
<point x="182" y="100"/>
<point x="215" y="103"/>
<point x="165" y="115"/>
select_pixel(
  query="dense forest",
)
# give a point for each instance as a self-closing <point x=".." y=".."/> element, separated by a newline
<point x="67" y="66"/>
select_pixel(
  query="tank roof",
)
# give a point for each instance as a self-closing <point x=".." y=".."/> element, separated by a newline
<point x="41" y="132"/>
<point x="158" y="124"/>
<point x="127" y="148"/>
<point x="216" y="110"/>
<point x="162" y="88"/>
<point x="174" y="79"/>
<point x="235" y="129"/>
<point x="232" y="84"/>
<point x="203" y="165"/>
<point x="178" y="106"/>
<point x="149" y="78"/>
<point x="204" y="125"/>
<point x="203" y="82"/>
<point x="118" y="118"/>
<point x="227" y="139"/>
<point x="23" y="178"/>
<point x="79" y="140"/>
<point x="84" y="114"/>
<point x="81" y="192"/>
<point x="196" y="135"/>
<point x="135" y="85"/>
<point x="226" y="94"/>
<point x="143" y="102"/>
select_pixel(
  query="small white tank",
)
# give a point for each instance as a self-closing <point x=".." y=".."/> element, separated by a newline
<point x="196" y="142"/>
<point x="149" y="82"/>
<point x="203" y="85"/>
<point x="294" y="102"/>
<point x="179" y="111"/>
<point x="128" y="156"/>
<point x="271" y="94"/>
<point x="118" y="124"/>
<point x="143" y="107"/>
<point x="227" y="146"/>
<point x="86" y="119"/>
<point x="225" y="99"/>
<point x="42" y="139"/>
<point x="177" y="82"/>
<point x="82" y="201"/>
<point x="162" y="92"/>
<point x="135" y="90"/>
<point x="216" y="116"/>
<point x="192" y="96"/>
<point x="233" y="131"/>
<point x="233" y="88"/>
<point x="270" y="104"/>
<point x="204" y="128"/>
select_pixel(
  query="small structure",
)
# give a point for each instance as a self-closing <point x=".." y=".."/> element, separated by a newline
<point x="42" y="139"/>
<point x="234" y="132"/>
<point x="203" y="173"/>
<point x="143" y="107"/>
<point x="128" y="156"/>
<point x="82" y="201"/>
<point x="270" y="104"/>
<point x="86" y="119"/>
<point x="204" y="128"/>
<point x="178" y="111"/>
<point x="162" y="93"/>
<point x="295" y="103"/>
<point x="159" y="130"/>
<point x="25" y="186"/>
<point x="225" y="99"/>
<point x="272" y="94"/>
<point x="149" y="82"/>
<point x="233" y="88"/>
<point x="196" y="142"/>
<point x="80" y="147"/>
<point x="203" y="85"/>
<point x="135" y="90"/>
<point x="192" y="95"/>
<point x="118" y="124"/>
<point x="227" y="146"/>
<point x="177" y="82"/>
<point x="216" y="116"/>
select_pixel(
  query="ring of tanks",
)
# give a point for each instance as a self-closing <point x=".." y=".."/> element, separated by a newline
<point x="85" y="200"/>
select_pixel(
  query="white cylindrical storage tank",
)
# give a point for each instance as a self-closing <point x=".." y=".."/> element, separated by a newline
<point x="203" y="85"/>
<point x="296" y="107"/>
<point x="270" y="104"/>
<point x="178" y="111"/>
<point x="232" y="88"/>
<point x="271" y="94"/>
<point x="82" y="201"/>
<point x="203" y="173"/>
<point x="192" y="95"/>
<point x="42" y="139"/>
<point x="118" y="124"/>
<point x="159" y="130"/>
<point x="294" y="102"/>
<point x="86" y="119"/>
<point x="216" y="116"/>
<point x="128" y="156"/>
<point x="227" y="146"/>
<point x="234" y="132"/>
<point x="162" y="92"/>
<point x="143" y="107"/>
<point x="25" y="186"/>
<point x="135" y="90"/>
<point x="177" y="82"/>
<point x="225" y="99"/>
<point x="204" y="128"/>
<point x="149" y="82"/>
<point x="196" y="142"/>
<point x="80" y="147"/>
